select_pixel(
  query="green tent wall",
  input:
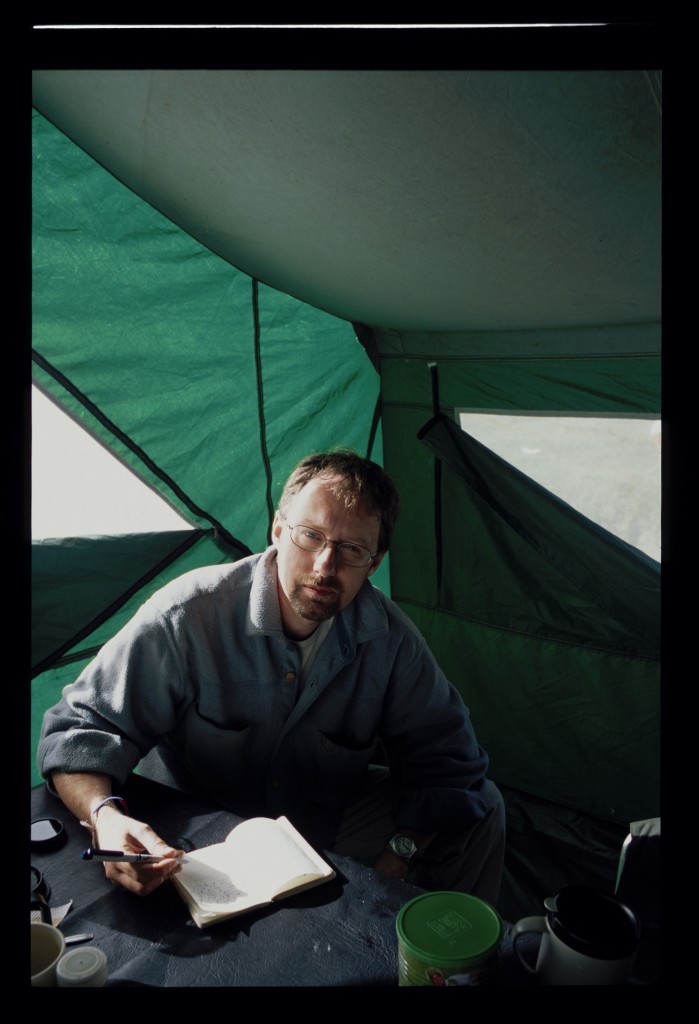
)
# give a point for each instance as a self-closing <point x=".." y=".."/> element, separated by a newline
<point x="209" y="354"/>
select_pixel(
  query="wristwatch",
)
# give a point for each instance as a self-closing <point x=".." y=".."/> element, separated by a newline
<point x="403" y="847"/>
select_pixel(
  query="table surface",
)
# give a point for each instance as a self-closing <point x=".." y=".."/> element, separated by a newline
<point x="342" y="933"/>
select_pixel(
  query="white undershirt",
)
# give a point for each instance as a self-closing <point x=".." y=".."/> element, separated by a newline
<point x="308" y="648"/>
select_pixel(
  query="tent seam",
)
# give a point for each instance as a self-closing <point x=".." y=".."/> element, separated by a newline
<point x="261" y="404"/>
<point x="513" y="357"/>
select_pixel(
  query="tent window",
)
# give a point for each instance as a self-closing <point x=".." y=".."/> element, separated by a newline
<point x="79" y="489"/>
<point x="608" y="468"/>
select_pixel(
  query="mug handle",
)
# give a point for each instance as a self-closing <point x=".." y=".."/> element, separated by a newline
<point x="526" y="926"/>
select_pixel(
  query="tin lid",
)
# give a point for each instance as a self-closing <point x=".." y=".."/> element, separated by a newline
<point x="82" y="968"/>
<point x="452" y="928"/>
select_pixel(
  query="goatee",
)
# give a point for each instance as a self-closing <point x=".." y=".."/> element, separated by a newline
<point x="316" y="609"/>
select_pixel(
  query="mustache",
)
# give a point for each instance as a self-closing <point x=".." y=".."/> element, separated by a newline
<point x="321" y="582"/>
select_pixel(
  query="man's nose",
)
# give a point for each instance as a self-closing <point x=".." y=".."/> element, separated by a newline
<point x="325" y="560"/>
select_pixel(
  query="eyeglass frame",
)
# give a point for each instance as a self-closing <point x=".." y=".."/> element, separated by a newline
<point x="326" y="541"/>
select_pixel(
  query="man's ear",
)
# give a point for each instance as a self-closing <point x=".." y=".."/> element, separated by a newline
<point x="376" y="563"/>
<point x="277" y="525"/>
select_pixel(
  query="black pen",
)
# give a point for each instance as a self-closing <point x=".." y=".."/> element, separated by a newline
<point x="125" y="858"/>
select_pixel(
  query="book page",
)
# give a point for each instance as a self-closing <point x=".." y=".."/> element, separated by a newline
<point x="213" y="889"/>
<point x="258" y="861"/>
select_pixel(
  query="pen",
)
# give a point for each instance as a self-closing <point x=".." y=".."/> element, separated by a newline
<point x="124" y="858"/>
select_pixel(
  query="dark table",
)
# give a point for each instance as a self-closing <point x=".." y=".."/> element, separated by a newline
<point x="342" y="933"/>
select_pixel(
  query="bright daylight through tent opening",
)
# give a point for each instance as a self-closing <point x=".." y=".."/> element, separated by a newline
<point x="80" y="490"/>
<point x="608" y="468"/>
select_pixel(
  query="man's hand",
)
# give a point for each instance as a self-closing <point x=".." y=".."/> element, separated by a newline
<point x="388" y="863"/>
<point x="116" y="831"/>
<point x="112" y="830"/>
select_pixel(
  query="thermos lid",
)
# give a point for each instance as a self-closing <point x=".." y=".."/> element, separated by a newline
<point x="594" y="923"/>
<point x="82" y="968"/>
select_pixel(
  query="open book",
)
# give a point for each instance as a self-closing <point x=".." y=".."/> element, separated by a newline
<point x="261" y="860"/>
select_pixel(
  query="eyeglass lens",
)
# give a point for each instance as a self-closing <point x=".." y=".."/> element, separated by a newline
<point x="312" y="540"/>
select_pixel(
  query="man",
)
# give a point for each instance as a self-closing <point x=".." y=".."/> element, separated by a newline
<point x="275" y="685"/>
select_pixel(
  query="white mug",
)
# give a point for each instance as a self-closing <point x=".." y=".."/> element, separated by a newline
<point x="48" y="946"/>
<point x="587" y="938"/>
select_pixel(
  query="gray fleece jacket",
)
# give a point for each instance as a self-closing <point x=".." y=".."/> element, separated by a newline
<point x="204" y="677"/>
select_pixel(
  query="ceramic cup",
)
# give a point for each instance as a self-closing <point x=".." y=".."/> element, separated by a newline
<point x="48" y="946"/>
<point x="587" y="938"/>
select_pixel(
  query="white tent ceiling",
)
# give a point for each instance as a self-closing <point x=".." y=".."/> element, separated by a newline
<point x="418" y="200"/>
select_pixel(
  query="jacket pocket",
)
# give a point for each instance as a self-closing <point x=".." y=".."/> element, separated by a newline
<point x="219" y="757"/>
<point x="340" y="767"/>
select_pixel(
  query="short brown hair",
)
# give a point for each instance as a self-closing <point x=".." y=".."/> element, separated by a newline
<point x="364" y="486"/>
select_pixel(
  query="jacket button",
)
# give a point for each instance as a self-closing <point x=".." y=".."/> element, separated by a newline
<point x="290" y="676"/>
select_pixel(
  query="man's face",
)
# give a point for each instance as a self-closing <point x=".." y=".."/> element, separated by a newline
<point x="313" y="586"/>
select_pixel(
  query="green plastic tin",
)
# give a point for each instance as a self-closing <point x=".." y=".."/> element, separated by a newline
<point x="447" y="938"/>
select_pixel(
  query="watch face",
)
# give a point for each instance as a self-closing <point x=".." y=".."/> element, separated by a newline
<point x="403" y="846"/>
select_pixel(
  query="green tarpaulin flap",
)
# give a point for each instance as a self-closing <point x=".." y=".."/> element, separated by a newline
<point x="80" y="580"/>
<point x="75" y="625"/>
<point x="548" y="626"/>
<point x="549" y="570"/>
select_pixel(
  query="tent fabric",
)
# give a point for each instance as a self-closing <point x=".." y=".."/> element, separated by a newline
<point x="574" y="612"/>
<point x="438" y="200"/>
<point x="617" y="373"/>
<point x="231" y="269"/>
<point x="84" y="589"/>
<point x="154" y="354"/>
<point x="560" y="576"/>
<point x="118" y="272"/>
<point x="81" y="574"/>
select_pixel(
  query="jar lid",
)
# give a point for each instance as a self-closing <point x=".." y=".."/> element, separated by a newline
<point x="449" y="926"/>
<point x="82" y="968"/>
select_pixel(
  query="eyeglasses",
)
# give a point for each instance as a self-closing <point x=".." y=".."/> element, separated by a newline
<point x="312" y="540"/>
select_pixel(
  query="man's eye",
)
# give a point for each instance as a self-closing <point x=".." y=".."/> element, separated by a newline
<point x="312" y="535"/>
<point x="351" y="549"/>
